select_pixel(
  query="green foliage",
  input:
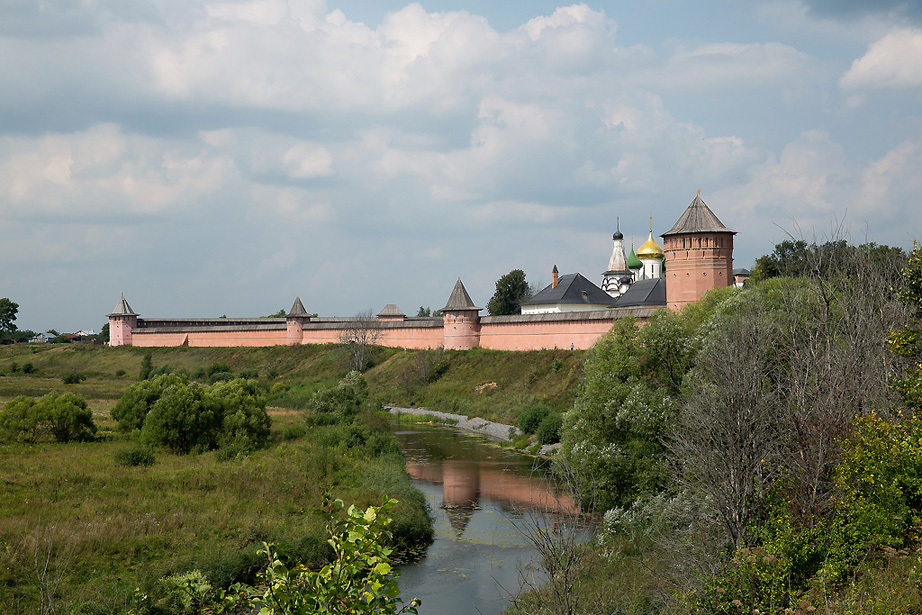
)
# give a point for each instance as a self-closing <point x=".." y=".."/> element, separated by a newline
<point x="360" y="579"/>
<point x="906" y="342"/>
<point x="73" y="378"/>
<point x="549" y="430"/>
<point x="65" y="416"/>
<point x="511" y="291"/>
<point x="184" y="419"/>
<point x="340" y="403"/>
<point x="8" y="311"/>
<point x="68" y="416"/>
<point x="532" y="417"/>
<point x="147" y="364"/>
<point x="132" y="408"/>
<point x="135" y="456"/>
<point x="28" y="368"/>
<point x="613" y="434"/>
<point x="245" y="423"/>
<point x="20" y="420"/>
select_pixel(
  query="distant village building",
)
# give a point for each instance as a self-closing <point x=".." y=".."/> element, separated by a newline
<point x="571" y="312"/>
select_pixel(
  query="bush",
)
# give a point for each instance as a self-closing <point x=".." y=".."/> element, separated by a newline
<point x="73" y="378"/>
<point x="184" y="419"/>
<point x="132" y="457"/>
<point x="549" y="429"/>
<point x="218" y="368"/>
<point x="293" y="432"/>
<point x="20" y="421"/>
<point x="532" y="417"/>
<point x="245" y="424"/>
<point x="68" y="416"/>
<point x="28" y="368"/>
<point x="132" y="408"/>
<point x="342" y="402"/>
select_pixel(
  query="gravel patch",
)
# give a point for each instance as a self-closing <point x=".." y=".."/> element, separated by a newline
<point x="494" y="431"/>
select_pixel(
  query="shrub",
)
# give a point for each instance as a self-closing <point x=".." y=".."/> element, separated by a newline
<point x="184" y="419"/>
<point x="73" y="378"/>
<point x="248" y="373"/>
<point x="293" y="432"/>
<point x="220" y="377"/>
<point x="132" y="408"/>
<point x="147" y="364"/>
<point x="132" y="457"/>
<point x="343" y="401"/>
<point x="245" y="424"/>
<point x="549" y="430"/>
<point x="68" y="416"/>
<point x="532" y="417"/>
<point x="28" y="368"/>
<point x="20" y="420"/>
<point x="119" y="373"/>
<point x="218" y="368"/>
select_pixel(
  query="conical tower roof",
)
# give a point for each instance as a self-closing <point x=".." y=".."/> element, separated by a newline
<point x="297" y="309"/>
<point x="617" y="263"/>
<point x="122" y="308"/>
<point x="459" y="299"/>
<point x="698" y="218"/>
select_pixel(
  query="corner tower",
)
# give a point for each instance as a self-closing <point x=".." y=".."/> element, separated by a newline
<point x="294" y="323"/>
<point x="461" y="320"/>
<point x="698" y="254"/>
<point x="121" y="322"/>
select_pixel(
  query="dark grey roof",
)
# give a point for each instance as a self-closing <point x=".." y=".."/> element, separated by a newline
<point x="571" y="288"/>
<point x="459" y="299"/>
<point x="741" y="272"/>
<point x="391" y="309"/>
<point x="122" y="308"/>
<point x="643" y="293"/>
<point x="297" y="309"/>
<point x="698" y="218"/>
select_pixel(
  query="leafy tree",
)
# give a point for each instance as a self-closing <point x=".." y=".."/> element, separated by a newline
<point x="20" y="420"/>
<point x="612" y="435"/>
<point x="511" y="291"/>
<point x="134" y="405"/>
<point x="245" y="425"/>
<point x="906" y="342"/>
<point x="68" y="416"/>
<point x="63" y="415"/>
<point x="8" y="310"/>
<point x="360" y="579"/>
<point x="184" y="419"/>
<point x="280" y="314"/>
<point x="340" y="403"/>
<point x="423" y="312"/>
<point x="147" y="364"/>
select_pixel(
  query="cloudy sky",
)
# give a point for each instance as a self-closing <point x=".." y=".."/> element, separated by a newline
<point x="210" y="157"/>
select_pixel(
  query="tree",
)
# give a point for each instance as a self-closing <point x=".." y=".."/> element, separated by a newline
<point x="69" y="417"/>
<point x="184" y="419"/>
<point x="134" y="405"/>
<point x="8" y="310"/>
<point x="511" y="291"/>
<point x="246" y="425"/>
<point x="906" y="341"/>
<point x="358" y="338"/>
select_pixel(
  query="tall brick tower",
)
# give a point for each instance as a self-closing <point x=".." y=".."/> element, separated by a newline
<point x="698" y="254"/>
<point x="121" y="321"/>
<point x="461" y="320"/>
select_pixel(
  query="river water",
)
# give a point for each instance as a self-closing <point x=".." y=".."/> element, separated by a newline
<point x="478" y="493"/>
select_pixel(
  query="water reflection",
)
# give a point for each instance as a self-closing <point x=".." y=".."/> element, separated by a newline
<point x="478" y="561"/>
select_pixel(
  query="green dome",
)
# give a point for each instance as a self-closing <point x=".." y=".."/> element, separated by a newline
<point x="633" y="262"/>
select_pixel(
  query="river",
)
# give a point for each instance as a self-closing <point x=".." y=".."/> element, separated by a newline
<point x="478" y="492"/>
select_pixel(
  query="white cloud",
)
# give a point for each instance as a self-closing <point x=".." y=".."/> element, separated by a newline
<point x="893" y="62"/>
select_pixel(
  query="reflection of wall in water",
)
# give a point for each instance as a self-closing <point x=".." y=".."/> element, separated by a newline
<point x="464" y="483"/>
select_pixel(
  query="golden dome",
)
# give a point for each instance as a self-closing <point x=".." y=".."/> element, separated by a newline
<point x="650" y="249"/>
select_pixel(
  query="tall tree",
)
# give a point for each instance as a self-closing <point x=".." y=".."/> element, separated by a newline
<point x="359" y="338"/>
<point x="511" y="291"/>
<point x="8" y="310"/>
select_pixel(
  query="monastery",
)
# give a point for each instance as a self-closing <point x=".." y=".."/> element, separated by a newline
<point x="572" y="312"/>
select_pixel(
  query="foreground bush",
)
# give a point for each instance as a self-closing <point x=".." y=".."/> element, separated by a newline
<point x="184" y="419"/>
<point x="65" y="416"/>
<point x="360" y="579"/>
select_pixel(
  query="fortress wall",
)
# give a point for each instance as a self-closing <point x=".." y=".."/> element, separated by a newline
<point x="395" y="334"/>
<point x="192" y="336"/>
<point x="542" y="335"/>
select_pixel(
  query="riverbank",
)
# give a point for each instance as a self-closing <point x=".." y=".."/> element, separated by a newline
<point x="495" y="431"/>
